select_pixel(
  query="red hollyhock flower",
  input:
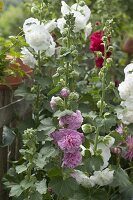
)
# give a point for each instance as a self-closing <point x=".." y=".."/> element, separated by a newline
<point x="96" y="44"/>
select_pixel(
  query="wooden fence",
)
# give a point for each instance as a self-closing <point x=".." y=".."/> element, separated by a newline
<point x="9" y="107"/>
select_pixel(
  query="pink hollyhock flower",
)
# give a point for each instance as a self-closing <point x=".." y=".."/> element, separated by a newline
<point x="68" y="140"/>
<point x="96" y="44"/>
<point x="129" y="153"/>
<point x="72" y="160"/>
<point x="64" y="92"/>
<point x="72" y="121"/>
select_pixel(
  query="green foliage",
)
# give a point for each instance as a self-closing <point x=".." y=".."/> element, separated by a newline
<point x="11" y="20"/>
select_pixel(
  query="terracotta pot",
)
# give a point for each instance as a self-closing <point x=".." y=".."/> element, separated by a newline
<point x="128" y="45"/>
<point x="14" y="81"/>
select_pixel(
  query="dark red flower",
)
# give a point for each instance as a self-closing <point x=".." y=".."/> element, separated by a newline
<point x="96" y="44"/>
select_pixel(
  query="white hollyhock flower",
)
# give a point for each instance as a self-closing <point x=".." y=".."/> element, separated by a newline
<point x="51" y="25"/>
<point x="81" y="14"/>
<point x="84" y="10"/>
<point x="88" y="30"/>
<point x="80" y="22"/>
<point x="28" y="58"/>
<point x="38" y="38"/>
<point x="104" y="177"/>
<point x="29" y="23"/>
<point x="125" y="88"/>
<point x="82" y="179"/>
<point x="125" y="115"/>
<point x="128" y="69"/>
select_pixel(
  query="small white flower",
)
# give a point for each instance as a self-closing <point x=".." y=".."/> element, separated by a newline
<point x="28" y="58"/>
<point x="29" y="23"/>
<point x="104" y="177"/>
<point x="88" y="30"/>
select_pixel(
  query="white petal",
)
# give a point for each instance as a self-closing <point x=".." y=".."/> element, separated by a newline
<point x="65" y="9"/>
<point x="88" y="30"/>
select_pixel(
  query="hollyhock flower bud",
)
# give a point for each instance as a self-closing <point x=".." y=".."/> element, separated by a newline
<point x="116" y="150"/>
<point x="87" y="128"/>
<point x="64" y="92"/>
<point x="54" y="102"/>
<point x="74" y="96"/>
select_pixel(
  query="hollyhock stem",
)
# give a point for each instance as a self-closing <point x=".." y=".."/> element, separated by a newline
<point x="96" y="139"/>
<point x="37" y="106"/>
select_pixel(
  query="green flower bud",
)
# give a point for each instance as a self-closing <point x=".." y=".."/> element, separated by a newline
<point x="87" y="128"/>
<point x="110" y="48"/>
<point x="74" y="96"/>
<point x="99" y="54"/>
<point x="99" y="103"/>
<point x="112" y="84"/>
<point x="101" y="74"/>
<point x="109" y="60"/>
<point x="104" y="38"/>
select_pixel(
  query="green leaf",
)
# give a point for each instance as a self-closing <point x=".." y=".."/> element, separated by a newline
<point x="44" y="155"/>
<point x="93" y="163"/>
<point x="36" y="196"/>
<point x="62" y="113"/>
<point x="21" y="168"/>
<point x="118" y="138"/>
<point x="41" y="187"/>
<point x="16" y="191"/>
<point x="46" y="127"/>
<point x="122" y="181"/>
<point x="8" y="136"/>
<point x="54" y="90"/>
<point x="25" y="184"/>
<point x="64" y="188"/>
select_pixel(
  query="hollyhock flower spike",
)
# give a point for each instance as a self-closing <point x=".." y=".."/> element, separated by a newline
<point x="81" y="15"/>
<point x="72" y="121"/>
<point x="96" y="45"/>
